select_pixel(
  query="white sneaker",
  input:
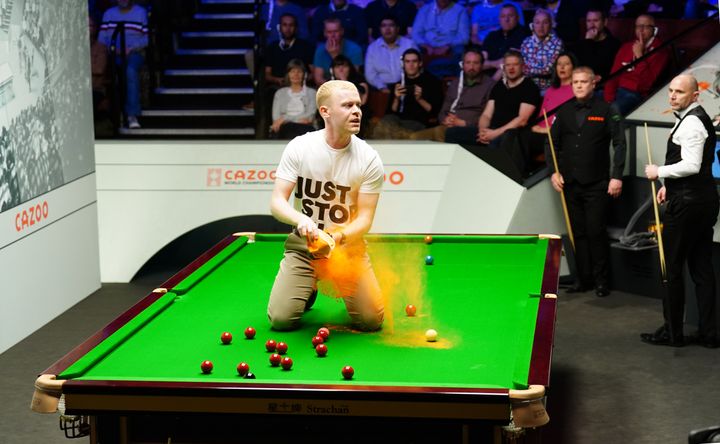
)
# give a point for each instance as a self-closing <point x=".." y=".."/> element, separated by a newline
<point x="133" y="122"/>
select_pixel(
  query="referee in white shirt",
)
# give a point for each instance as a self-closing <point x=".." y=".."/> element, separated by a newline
<point x="690" y="215"/>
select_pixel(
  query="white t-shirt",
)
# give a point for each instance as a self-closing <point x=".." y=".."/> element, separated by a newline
<point x="328" y="180"/>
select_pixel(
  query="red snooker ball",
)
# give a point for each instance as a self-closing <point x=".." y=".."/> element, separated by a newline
<point x="281" y="348"/>
<point x="348" y="372"/>
<point x="226" y="338"/>
<point x="321" y="350"/>
<point x="243" y="369"/>
<point x="275" y="359"/>
<point x="286" y="363"/>
<point x="206" y="367"/>
<point x="410" y="310"/>
<point x="270" y="345"/>
<point x="250" y="333"/>
<point x="317" y="340"/>
<point x="324" y="333"/>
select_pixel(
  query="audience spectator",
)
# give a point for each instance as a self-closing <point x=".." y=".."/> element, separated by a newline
<point x="414" y="100"/>
<point x="628" y="88"/>
<point x="484" y="18"/>
<point x="511" y="104"/>
<point x="98" y="67"/>
<point x="569" y="13"/>
<point x="352" y="18"/>
<point x="599" y="47"/>
<point x="560" y="90"/>
<point x="699" y="9"/>
<point x="442" y="29"/>
<point x="509" y="36"/>
<point x="134" y="19"/>
<point x="383" y="64"/>
<point x="671" y="9"/>
<point x="342" y="68"/>
<point x="465" y="99"/>
<point x="541" y="49"/>
<point x="404" y="12"/>
<point x="293" y="109"/>
<point x="278" y="53"/>
<point x="335" y="44"/>
<point x="274" y="10"/>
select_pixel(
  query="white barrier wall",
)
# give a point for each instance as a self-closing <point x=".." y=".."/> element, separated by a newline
<point x="149" y="193"/>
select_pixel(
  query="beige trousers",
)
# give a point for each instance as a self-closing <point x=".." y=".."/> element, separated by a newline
<point x="297" y="279"/>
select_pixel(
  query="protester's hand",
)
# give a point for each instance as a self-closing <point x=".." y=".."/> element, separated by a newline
<point x="308" y="228"/>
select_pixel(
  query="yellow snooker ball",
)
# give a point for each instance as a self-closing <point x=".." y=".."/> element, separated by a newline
<point x="431" y="335"/>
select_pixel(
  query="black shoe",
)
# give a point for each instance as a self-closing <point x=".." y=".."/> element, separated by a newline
<point x="576" y="288"/>
<point x="311" y="300"/>
<point x="662" y="337"/>
<point x="704" y="341"/>
<point x="601" y="291"/>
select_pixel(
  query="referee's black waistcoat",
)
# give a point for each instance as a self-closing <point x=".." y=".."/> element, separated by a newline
<point x="582" y="132"/>
<point x="698" y="187"/>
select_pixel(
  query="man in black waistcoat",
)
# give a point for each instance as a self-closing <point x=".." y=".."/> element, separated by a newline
<point x="690" y="215"/>
<point x="582" y="131"/>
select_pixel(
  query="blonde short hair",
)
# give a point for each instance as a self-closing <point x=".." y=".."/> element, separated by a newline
<point x="328" y="88"/>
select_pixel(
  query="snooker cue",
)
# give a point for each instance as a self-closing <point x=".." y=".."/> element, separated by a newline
<point x="658" y="230"/>
<point x="562" y="193"/>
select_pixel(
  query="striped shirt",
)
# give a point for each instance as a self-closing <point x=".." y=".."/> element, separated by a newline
<point x="136" y="29"/>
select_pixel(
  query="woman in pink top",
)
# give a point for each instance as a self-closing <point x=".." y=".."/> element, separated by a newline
<point x="559" y="92"/>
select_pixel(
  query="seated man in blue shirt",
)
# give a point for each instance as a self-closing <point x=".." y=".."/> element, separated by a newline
<point x="441" y="30"/>
<point x="383" y="64"/>
<point x="335" y="44"/>
<point x="351" y="16"/>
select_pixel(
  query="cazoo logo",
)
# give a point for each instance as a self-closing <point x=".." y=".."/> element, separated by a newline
<point x="31" y="216"/>
<point x="217" y="177"/>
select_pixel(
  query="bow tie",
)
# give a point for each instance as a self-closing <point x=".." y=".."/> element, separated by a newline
<point x="581" y="105"/>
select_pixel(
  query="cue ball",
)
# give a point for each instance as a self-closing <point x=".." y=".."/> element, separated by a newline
<point x="281" y="348"/>
<point x="428" y="239"/>
<point x="317" y="340"/>
<point x="243" y="369"/>
<point x="275" y="359"/>
<point x="429" y="260"/>
<point x="286" y="363"/>
<point x="410" y="310"/>
<point x="206" y="367"/>
<point x="270" y="345"/>
<point x="321" y="350"/>
<point x="348" y="372"/>
<point x="250" y="332"/>
<point x="324" y="333"/>
<point x="226" y="338"/>
<point x="431" y="335"/>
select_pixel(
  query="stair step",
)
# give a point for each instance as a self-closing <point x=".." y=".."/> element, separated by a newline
<point x="207" y="72"/>
<point x="197" y="112"/>
<point x="206" y="61"/>
<point x="226" y="2"/>
<point x="210" y="52"/>
<point x="222" y="91"/>
<point x="217" y="34"/>
<point x="222" y="16"/>
<point x="188" y="131"/>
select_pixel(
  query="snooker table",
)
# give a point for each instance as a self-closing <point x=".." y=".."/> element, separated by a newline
<point x="490" y="297"/>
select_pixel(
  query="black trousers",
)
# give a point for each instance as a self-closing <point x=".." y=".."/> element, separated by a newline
<point x="688" y="236"/>
<point x="587" y="207"/>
